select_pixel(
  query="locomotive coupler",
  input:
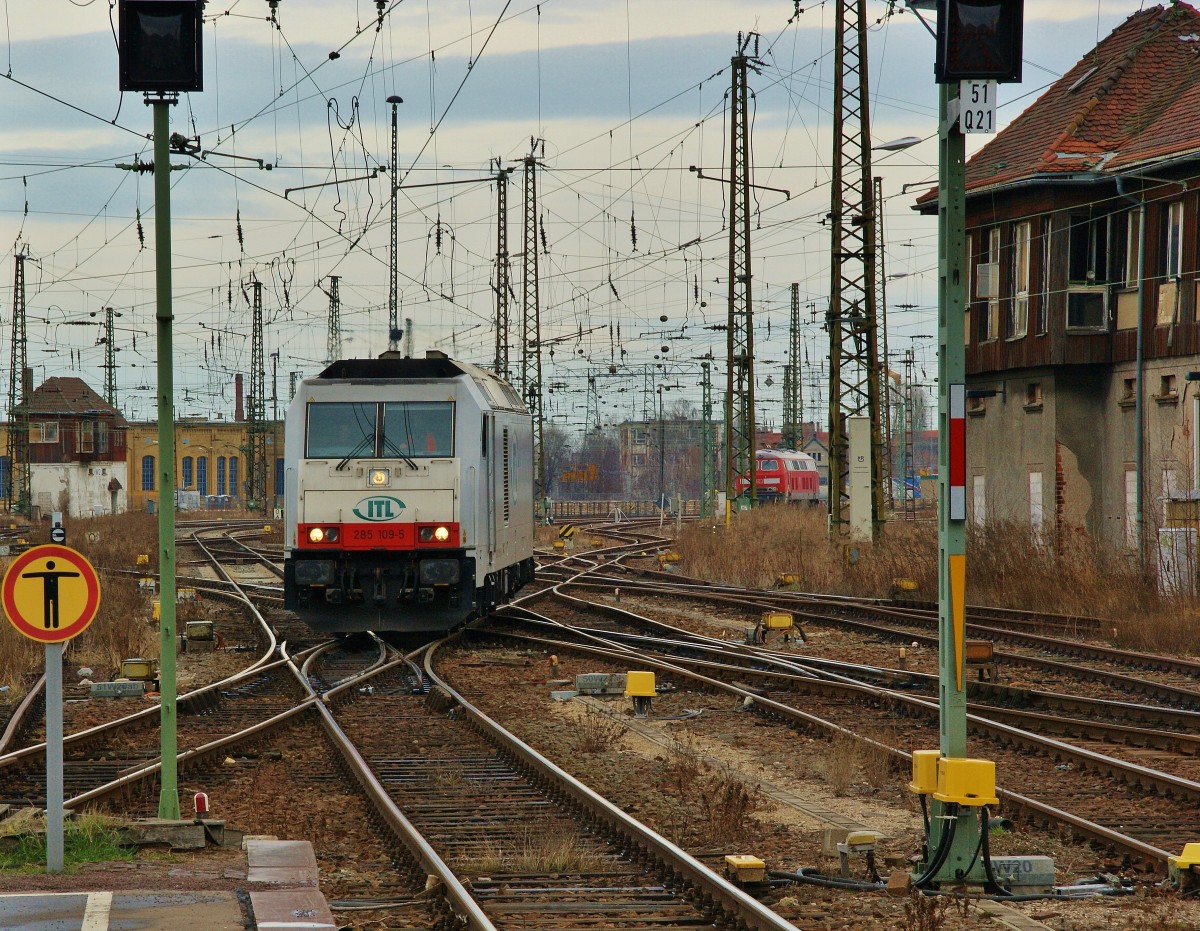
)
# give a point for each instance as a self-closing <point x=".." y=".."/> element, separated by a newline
<point x="380" y="594"/>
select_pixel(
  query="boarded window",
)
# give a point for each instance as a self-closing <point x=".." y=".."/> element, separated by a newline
<point x="1036" y="509"/>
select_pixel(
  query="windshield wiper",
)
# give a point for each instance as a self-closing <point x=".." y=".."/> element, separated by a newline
<point x="389" y="446"/>
<point x="362" y="445"/>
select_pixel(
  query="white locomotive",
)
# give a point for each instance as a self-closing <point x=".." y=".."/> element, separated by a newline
<point x="409" y="495"/>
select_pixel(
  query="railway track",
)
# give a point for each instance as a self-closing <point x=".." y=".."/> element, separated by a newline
<point x="1158" y="807"/>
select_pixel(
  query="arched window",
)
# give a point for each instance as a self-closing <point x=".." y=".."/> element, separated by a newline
<point x="202" y="475"/>
<point x="220" y="475"/>
<point x="187" y="471"/>
<point x="233" y="475"/>
<point x="147" y="473"/>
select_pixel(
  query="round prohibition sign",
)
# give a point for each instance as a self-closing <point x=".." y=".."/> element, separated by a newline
<point x="50" y="593"/>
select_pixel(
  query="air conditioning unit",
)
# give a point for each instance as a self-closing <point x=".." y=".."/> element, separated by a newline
<point x="987" y="280"/>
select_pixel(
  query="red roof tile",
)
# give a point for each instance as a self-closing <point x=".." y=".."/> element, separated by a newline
<point x="69" y="396"/>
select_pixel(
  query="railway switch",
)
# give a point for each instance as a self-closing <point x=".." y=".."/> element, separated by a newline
<point x="925" y="771"/>
<point x="857" y="843"/>
<point x="199" y="637"/>
<point x="966" y="782"/>
<point x="745" y="868"/>
<point x="1184" y="870"/>
<point x="137" y="669"/>
<point x="981" y="655"/>
<point x="640" y="687"/>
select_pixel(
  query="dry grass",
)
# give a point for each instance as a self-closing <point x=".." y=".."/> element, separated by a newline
<point x="684" y="765"/>
<point x="596" y="732"/>
<point x="727" y="804"/>
<point x="122" y="628"/>
<point x="841" y="764"/>
<point x="1006" y="568"/>
<point x="536" y="852"/>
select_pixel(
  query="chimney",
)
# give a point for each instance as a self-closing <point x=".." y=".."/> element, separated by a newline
<point x="239" y="411"/>
<point x="26" y="385"/>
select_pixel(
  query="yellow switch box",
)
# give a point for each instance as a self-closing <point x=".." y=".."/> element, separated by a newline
<point x="966" y="782"/>
<point x="639" y="685"/>
<point x="745" y="868"/>
<point x="1189" y="858"/>
<point x="777" y="620"/>
<point x="143" y="559"/>
<point x="156" y="613"/>
<point x="925" y="771"/>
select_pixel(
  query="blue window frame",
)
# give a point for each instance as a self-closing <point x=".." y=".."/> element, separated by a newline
<point x="147" y="473"/>
<point x="220" y="475"/>
<point x="5" y="477"/>
<point x="187" y="471"/>
<point x="202" y="475"/>
<point x="233" y="475"/>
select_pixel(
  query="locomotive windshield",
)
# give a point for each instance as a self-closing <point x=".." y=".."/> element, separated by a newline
<point x="416" y="429"/>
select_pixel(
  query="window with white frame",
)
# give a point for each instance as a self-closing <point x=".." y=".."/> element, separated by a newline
<point x="979" y="500"/>
<point x="989" y="288"/>
<point x="1133" y="247"/>
<point x="1087" y="272"/>
<point x="44" y="432"/>
<point x="1042" y="322"/>
<point x="1018" y="315"/>
<point x="1173" y="246"/>
<point x="970" y="290"/>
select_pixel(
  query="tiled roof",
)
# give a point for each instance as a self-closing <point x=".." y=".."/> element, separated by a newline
<point x="1131" y="100"/>
<point x="70" y="396"/>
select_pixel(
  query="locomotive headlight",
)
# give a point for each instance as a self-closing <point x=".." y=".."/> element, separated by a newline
<point x="441" y="534"/>
<point x="378" y="477"/>
<point x="425" y="534"/>
<point x="316" y="535"/>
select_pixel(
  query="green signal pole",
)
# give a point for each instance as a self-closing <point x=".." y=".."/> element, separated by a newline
<point x="168" y="798"/>
<point x="963" y="816"/>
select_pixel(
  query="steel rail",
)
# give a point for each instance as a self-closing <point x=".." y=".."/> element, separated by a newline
<point x="731" y="899"/>
<point x="1150" y="854"/>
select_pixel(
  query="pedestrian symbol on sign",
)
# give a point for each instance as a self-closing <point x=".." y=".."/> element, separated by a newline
<point x="49" y="592"/>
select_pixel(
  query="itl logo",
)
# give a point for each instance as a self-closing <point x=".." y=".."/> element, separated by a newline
<point x="381" y="507"/>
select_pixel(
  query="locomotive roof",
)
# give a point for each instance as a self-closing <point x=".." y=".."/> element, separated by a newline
<point x="394" y="367"/>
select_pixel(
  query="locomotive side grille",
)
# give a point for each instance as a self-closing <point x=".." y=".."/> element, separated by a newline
<point x="506" y="476"/>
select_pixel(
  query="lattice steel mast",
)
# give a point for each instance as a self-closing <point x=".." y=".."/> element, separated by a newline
<point x="887" y="467"/>
<point x="853" y="351"/>
<point x="20" y="497"/>
<point x="333" y="343"/>
<point x="739" y="386"/>
<point x="708" y="462"/>
<point x="793" y="390"/>
<point x="393" y="249"/>
<point x="501" y="366"/>
<point x="256" y="427"/>
<point x="531" y="328"/>
<point x="110" y="358"/>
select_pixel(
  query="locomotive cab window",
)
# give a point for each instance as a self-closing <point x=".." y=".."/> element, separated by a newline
<point x="768" y="465"/>
<point x="345" y="430"/>
<point x="339" y="429"/>
<point x="418" y="428"/>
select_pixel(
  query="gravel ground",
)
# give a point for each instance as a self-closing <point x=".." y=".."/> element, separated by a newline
<point x="699" y="790"/>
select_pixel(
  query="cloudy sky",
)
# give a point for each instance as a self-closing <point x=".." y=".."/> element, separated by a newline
<point x="622" y="96"/>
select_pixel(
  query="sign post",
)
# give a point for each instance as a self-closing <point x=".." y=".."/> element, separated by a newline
<point x="50" y="594"/>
